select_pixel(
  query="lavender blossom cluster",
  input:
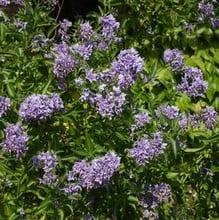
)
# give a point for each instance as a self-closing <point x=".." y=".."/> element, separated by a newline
<point x="38" y="107"/>
<point x="96" y="174"/>
<point x="171" y="112"/>
<point x="155" y="195"/>
<point x="174" y="59"/>
<point x="192" y="82"/>
<point x="208" y="117"/>
<point x="16" y="140"/>
<point x="110" y="98"/>
<point x="64" y="61"/>
<point x="48" y="161"/>
<point x="141" y="119"/>
<point x="67" y="56"/>
<point x="8" y="2"/>
<point x="145" y="150"/>
<point x="207" y="13"/>
<point x="5" y="104"/>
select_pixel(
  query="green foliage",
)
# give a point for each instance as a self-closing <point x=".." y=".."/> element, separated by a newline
<point x="189" y="164"/>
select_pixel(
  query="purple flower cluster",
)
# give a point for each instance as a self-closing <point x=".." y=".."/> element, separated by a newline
<point x="155" y="195"/>
<point x="145" y="150"/>
<point x="171" y="112"/>
<point x="141" y="119"/>
<point x="208" y="117"/>
<point x="48" y="161"/>
<point x="64" y="26"/>
<point x="109" y="27"/>
<point x="86" y="31"/>
<point x="127" y="66"/>
<point x="206" y="10"/>
<point x="207" y="13"/>
<point x="8" y="2"/>
<point x="38" y="107"/>
<point x="192" y="82"/>
<point x="84" y="50"/>
<point x="16" y="140"/>
<point x="4" y="105"/>
<point x="112" y="104"/>
<point x="96" y="174"/>
<point x="64" y="60"/>
<point x="110" y="98"/>
<point x="174" y="59"/>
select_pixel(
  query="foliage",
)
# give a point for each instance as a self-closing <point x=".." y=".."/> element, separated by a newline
<point x="96" y="121"/>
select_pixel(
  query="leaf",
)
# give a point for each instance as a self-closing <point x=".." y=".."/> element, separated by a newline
<point x="61" y="214"/>
<point x="174" y="148"/>
<point x="172" y="175"/>
<point x="120" y="136"/>
<point x="193" y="150"/>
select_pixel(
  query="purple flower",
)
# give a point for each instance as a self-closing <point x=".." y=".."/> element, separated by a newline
<point x="4" y="105"/>
<point x="205" y="11"/>
<point x="192" y="82"/>
<point x="19" y="2"/>
<point x="64" y="60"/>
<point x="48" y="161"/>
<point x="183" y="122"/>
<point x="112" y="104"/>
<point x="58" y="104"/>
<point x="174" y="58"/>
<point x="109" y="27"/>
<point x="127" y="66"/>
<point x="149" y="214"/>
<point x="161" y="191"/>
<point x="194" y="120"/>
<point x="96" y="174"/>
<point x="64" y="26"/>
<point x="215" y="22"/>
<point x="39" y="107"/>
<point x="16" y="140"/>
<point x="145" y="150"/>
<point x="209" y="117"/>
<point x="21" y="25"/>
<point x="84" y="50"/>
<point x="171" y="112"/>
<point x="141" y="119"/>
<point x="86" y="31"/>
<point x="5" y="2"/>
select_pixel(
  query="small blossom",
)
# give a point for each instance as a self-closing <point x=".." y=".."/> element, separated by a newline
<point x="209" y="117"/>
<point x="4" y="105"/>
<point x="127" y="66"/>
<point x="39" y="107"/>
<point x="48" y="161"/>
<point x="205" y="11"/>
<point x="109" y="27"/>
<point x="83" y="50"/>
<point x="64" y="60"/>
<point x="145" y="150"/>
<point x="183" y="121"/>
<point x="174" y="58"/>
<point x="96" y="174"/>
<point x="86" y="31"/>
<point x="16" y="140"/>
<point x="192" y="82"/>
<point x="141" y="119"/>
<point x="171" y="112"/>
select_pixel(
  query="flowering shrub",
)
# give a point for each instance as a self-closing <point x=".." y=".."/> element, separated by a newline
<point x="95" y="127"/>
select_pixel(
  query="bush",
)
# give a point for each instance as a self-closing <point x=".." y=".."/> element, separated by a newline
<point x="95" y="125"/>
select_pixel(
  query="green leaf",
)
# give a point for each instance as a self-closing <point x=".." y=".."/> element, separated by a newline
<point x="172" y="175"/>
<point x="193" y="150"/>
